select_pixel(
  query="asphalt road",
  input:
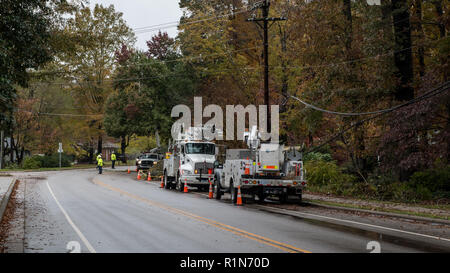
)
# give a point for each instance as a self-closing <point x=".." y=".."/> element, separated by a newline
<point x="114" y="212"/>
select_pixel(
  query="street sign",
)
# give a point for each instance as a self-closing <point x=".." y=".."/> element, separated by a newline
<point x="60" y="151"/>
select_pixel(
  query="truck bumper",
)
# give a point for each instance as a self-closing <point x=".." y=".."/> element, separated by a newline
<point x="195" y="180"/>
<point x="273" y="186"/>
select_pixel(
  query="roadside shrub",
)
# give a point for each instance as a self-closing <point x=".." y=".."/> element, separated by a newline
<point x="383" y="185"/>
<point x="12" y="166"/>
<point x="52" y="161"/>
<point x="34" y="162"/>
<point x="435" y="180"/>
<point x="317" y="156"/>
<point x="327" y="177"/>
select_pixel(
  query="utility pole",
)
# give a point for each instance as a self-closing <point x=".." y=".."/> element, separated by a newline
<point x="264" y="5"/>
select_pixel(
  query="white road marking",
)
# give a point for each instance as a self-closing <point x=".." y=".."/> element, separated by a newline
<point x="357" y="223"/>
<point x="77" y="230"/>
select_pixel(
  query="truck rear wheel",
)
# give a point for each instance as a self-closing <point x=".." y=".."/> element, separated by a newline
<point x="299" y="201"/>
<point x="217" y="190"/>
<point x="283" y="198"/>
<point x="233" y="193"/>
<point x="261" y="197"/>
<point x="166" y="182"/>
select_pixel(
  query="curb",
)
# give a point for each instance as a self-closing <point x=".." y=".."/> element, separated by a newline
<point x="390" y="214"/>
<point x="5" y="200"/>
<point x="10" y="173"/>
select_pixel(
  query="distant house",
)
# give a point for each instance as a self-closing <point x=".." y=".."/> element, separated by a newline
<point x="107" y="149"/>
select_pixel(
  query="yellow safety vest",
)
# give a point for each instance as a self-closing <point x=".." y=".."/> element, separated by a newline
<point x="100" y="162"/>
<point x="113" y="157"/>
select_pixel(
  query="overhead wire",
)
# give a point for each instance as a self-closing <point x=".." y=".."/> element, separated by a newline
<point x="433" y="92"/>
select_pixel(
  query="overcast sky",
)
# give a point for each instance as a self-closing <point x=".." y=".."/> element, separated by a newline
<point x="143" y="13"/>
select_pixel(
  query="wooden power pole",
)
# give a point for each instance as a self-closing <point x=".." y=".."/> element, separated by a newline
<point x="264" y="5"/>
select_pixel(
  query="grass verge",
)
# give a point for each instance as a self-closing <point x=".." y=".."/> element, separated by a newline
<point x="373" y="208"/>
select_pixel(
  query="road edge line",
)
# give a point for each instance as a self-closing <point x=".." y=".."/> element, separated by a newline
<point x="310" y="215"/>
<point x="77" y="230"/>
<point x="390" y="214"/>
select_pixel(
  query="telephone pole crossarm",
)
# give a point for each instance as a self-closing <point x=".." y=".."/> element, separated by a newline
<point x="272" y="19"/>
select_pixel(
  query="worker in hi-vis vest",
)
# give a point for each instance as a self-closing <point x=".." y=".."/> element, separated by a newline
<point x="100" y="164"/>
<point x="113" y="159"/>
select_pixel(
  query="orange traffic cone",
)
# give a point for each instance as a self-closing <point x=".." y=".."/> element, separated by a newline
<point x="210" y="196"/>
<point x="185" y="187"/>
<point x="149" y="176"/>
<point x="129" y="170"/>
<point x="139" y="175"/>
<point x="239" y="197"/>
<point x="162" y="183"/>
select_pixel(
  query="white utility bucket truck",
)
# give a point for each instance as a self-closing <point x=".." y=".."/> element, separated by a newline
<point x="263" y="170"/>
<point x="190" y="159"/>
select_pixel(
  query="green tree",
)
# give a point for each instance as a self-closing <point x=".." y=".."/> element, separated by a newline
<point x="153" y="84"/>
<point x="95" y="36"/>
<point x="26" y="45"/>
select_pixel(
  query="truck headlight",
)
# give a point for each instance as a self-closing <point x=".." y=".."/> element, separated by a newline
<point x="187" y="172"/>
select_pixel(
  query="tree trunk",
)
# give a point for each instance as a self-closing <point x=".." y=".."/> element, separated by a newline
<point x="99" y="144"/>
<point x="438" y="5"/>
<point x="386" y="16"/>
<point x="284" y="77"/>
<point x="123" y="147"/>
<point x="91" y="152"/>
<point x="11" y="153"/>
<point x="418" y="27"/>
<point x="403" y="52"/>
<point x="347" y="10"/>
<point x="20" y="158"/>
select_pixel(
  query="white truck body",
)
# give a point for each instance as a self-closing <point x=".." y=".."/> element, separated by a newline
<point x="190" y="160"/>
<point x="263" y="170"/>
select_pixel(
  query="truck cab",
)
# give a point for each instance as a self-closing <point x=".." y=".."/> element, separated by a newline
<point x="189" y="161"/>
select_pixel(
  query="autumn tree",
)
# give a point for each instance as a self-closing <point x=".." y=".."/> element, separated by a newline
<point x="147" y="86"/>
<point x="161" y="47"/>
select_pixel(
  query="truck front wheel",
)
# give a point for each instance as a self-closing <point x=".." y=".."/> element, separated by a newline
<point x="179" y="186"/>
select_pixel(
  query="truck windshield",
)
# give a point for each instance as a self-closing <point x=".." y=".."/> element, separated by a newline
<point x="200" y="148"/>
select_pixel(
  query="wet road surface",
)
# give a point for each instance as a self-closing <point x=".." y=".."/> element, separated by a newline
<point x="114" y="212"/>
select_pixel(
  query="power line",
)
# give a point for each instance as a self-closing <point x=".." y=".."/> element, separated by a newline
<point x="187" y="58"/>
<point x="177" y="24"/>
<point x="144" y="78"/>
<point x="347" y="113"/>
<point x="435" y="91"/>
<point x="60" y="114"/>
